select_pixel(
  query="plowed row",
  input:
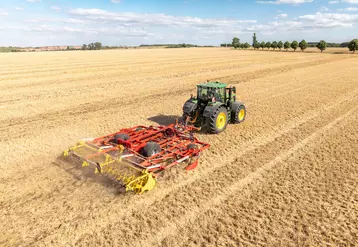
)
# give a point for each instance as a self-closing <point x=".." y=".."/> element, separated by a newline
<point x="287" y="176"/>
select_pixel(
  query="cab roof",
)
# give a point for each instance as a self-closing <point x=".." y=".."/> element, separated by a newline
<point x="214" y="84"/>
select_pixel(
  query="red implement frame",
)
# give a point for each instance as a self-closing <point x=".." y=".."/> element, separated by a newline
<point x="174" y="141"/>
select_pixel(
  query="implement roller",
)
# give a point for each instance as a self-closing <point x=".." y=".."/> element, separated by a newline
<point x="135" y="157"/>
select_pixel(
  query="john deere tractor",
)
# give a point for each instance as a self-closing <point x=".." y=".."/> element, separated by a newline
<point x="214" y="107"/>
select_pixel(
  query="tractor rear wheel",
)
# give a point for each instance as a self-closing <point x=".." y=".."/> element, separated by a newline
<point x="150" y="149"/>
<point x="238" y="114"/>
<point x="218" y="121"/>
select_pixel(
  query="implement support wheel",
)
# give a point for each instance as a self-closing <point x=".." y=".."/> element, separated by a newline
<point x="150" y="149"/>
<point x="120" y="136"/>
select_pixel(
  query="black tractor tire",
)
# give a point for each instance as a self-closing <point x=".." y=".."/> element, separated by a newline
<point x="150" y="149"/>
<point x="238" y="113"/>
<point x="214" y="128"/>
<point x="120" y="136"/>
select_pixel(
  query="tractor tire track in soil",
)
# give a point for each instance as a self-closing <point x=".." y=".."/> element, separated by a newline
<point x="252" y="179"/>
<point x="114" y="102"/>
<point x="259" y="184"/>
<point x="295" y="101"/>
<point x="32" y="129"/>
<point x="41" y="171"/>
<point x="173" y="205"/>
<point x="256" y="144"/>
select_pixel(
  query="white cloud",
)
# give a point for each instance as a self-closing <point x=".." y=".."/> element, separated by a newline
<point x="283" y="15"/>
<point x="109" y="27"/>
<point x="306" y="23"/>
<point x="115" y="1"/>
<point x="67" y="20"/>
<point x="350" y="9"/>
<point x="281" y="27"/>
<point x="74" y="21"/>
<point x="45" y="28"/>
<point x="3" y="13"/>
<point x="155" y="19"/>
<point x="33" y="1"/>
<point x="19" y="9"/>
<point x="127" y="24"/>
<point x="294" y="2"/>
<point x="85" y="25"/>
<point x="333" y="2"/>
<point x="133" y="32"/>
<point x="324" y="9"/>
<point x="351" y="1"/>
<point x="327" y="20"/>
<point x="56" y="8"/>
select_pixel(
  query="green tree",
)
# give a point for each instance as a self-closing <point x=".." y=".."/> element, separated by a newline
<point x="294" y="45"/>
<point x="322" y="45"/>
<point x="242" y="45"/>
<point x="84" y="47"/>
<point x="235" y="42"/>
<point x="353" y="45"/>
<point x="98" y="46"/>
<point x="254" y="40"/>
<point x="246" y="45"/>
<point x="287" y="45"/>
<point x="263" y="45"/>
<point x="279" y="45"/>
<point x="268" y="45"/>
<point x="303" y="45"/>
<point x="257" y="45"/>
<point x="90" y="46"/>
<point x="274" y="45"/>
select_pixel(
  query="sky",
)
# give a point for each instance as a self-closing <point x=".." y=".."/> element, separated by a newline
<point x="202" y="22"/>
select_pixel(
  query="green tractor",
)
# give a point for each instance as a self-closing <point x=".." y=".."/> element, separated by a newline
<point x="214" y="107"/>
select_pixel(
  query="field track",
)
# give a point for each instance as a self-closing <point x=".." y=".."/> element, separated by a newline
<point x="288" y="176"/>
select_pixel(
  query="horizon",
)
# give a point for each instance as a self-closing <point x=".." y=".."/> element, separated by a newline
<point x="217" y="45"/>
<point x="38" y="23"/>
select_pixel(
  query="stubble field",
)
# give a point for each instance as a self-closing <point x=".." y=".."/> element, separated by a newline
<point x="288" y="176"/>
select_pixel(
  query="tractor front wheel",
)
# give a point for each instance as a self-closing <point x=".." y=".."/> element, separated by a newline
<point x="218" y="121"/>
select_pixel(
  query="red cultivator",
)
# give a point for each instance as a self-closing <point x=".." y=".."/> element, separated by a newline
<point x="136" y="156"/>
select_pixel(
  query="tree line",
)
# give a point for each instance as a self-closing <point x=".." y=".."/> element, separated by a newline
<point x="287" y="45"/>
<point x="236" y="44"/>
<point x="92" y="46"/>
<point x="182" y="45"/>
<point x="303" y="45"/>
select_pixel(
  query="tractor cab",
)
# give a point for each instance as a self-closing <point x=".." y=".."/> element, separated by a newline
<point x="211" y="91"/>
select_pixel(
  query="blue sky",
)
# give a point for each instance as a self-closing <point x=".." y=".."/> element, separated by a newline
<point x="204" y="22"/>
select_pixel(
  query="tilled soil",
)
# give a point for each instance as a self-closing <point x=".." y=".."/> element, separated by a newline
<point x="286" y="177"/>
